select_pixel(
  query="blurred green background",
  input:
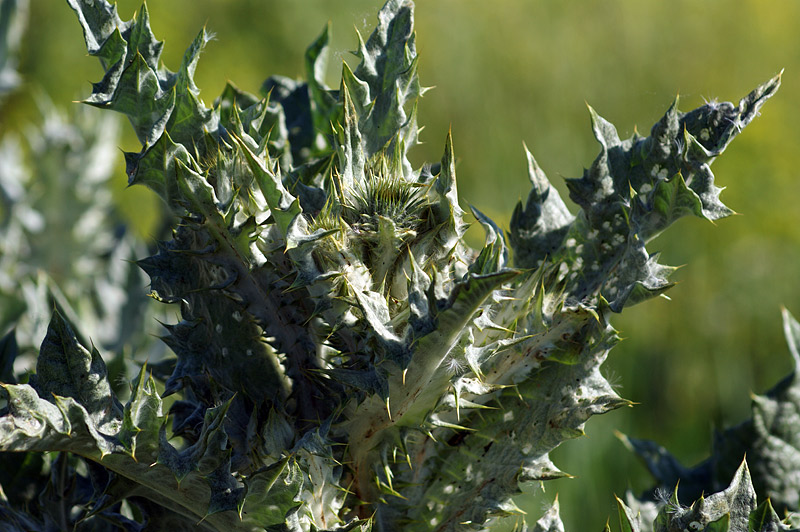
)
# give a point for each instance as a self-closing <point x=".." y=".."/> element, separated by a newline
<point x="519" y="70"/>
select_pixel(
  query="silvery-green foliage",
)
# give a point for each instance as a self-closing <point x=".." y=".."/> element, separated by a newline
<point x="551" y="520"/>
<point x="344" y="361"/>
<point x="769" y="440"/>
<point x="733" y="509"/>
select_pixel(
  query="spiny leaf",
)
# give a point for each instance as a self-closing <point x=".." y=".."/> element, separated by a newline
<point x="389" y="69"/>
<point x="628" y="196"/>
<point x="272" y="493"/>
<point x="538" y="229"/>
<point x="494" y="255"/>
<point x="726" y="510"/>
<point x="67" y="369"/>
<point x="551" y="520"/>
<point x="142" y="419"/>
<point x="627" y="521"/>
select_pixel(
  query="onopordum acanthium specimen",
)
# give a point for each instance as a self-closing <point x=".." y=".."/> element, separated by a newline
<point x="344" y="361"/>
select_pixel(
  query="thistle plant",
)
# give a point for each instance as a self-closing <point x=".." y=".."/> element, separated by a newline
<point x="343" y="360"/>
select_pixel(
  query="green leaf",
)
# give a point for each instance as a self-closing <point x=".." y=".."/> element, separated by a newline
<point x="627" y="521"/>
<point x="143" y="419"/>
<point x="634" y="190"/>
<point x="720" y="525"/>
<point x="271" y="494"/>
<point x="140" y="96"/>
<point x="389" y="69"/>
<point x="190" y="119"/>
<point x="672" y="199"/>
<point x="538" y="229"/>
<point x="352" y="157"/>
<point x="324" y="104"/>
<point x="283" y="206"/>
<point x="764" y="519"/>
<point x="452" y="321"/>
<point x="156" y="168"/>
<point x="99" y="20"/>
<point x="493" y="256"/>
<point x="449" y="211"/>
<point x="66" y="369"/>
